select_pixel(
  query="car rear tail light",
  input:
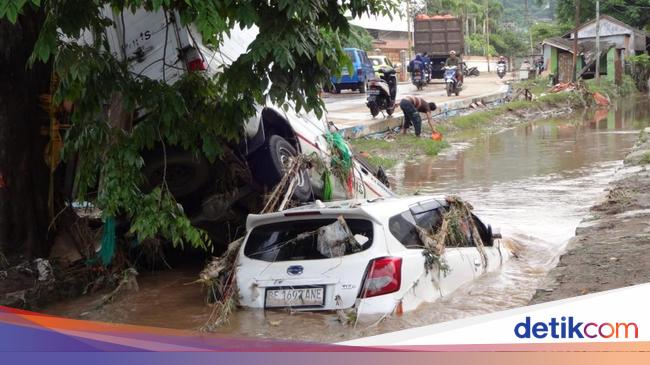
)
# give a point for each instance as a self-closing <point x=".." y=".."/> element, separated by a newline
<point x="383" y="277"/>
<point x="194" y="61"/>
<point x="360" y="72"/>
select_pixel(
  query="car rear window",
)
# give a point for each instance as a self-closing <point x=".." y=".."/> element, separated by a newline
<point x="288" y="241"/>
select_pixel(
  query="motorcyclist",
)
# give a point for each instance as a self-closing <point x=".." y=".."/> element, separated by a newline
<point x="539" y="65"/>
<point x="502" y="61"/>
<point x="416" y="64"/>
<point x="427" y="64"/>
<point x="454" y="60"/>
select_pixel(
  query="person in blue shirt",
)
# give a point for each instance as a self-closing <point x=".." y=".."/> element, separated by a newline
<point x="416" y="64"/>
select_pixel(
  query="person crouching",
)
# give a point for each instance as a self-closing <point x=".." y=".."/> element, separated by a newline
<point x="412" y="106"/>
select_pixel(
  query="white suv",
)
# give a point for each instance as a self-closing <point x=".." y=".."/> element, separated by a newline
<point x="282" y="263"/>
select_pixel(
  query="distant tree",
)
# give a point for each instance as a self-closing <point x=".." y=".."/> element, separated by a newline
<point x="509" y="43"/>
<point x="541" y="31"/>
<point x="633" y="12"/>
<point x="358" y="38"/>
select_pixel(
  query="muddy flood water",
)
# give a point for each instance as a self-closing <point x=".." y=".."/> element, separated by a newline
<point x="535" y="182"/>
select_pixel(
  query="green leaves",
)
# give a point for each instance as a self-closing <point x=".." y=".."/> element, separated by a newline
<point x="10" y="9"/>
<point x="296" y="51"/>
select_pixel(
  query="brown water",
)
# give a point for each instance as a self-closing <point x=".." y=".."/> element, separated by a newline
<point x="535" y="182"/>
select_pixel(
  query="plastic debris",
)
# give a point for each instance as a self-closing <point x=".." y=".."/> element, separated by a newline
<point x="45" y="272"/>
<point x="601" y="99"/>
<point x="335" y="238"/>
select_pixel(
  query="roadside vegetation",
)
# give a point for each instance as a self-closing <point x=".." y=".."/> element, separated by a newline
<point x="386" y="152"/>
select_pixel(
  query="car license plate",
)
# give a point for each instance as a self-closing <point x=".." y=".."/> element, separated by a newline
<point x="313" y="296"/>
<point x="373" y="92"/>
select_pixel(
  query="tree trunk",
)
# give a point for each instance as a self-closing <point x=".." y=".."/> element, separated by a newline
<point x="24" y="175"/>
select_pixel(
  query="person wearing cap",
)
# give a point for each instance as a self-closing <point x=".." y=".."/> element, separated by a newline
<point x="452" y="60"/>
<point x="412" y="106"/>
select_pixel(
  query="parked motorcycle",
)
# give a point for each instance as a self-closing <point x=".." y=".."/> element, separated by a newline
<point x="470" y="71"/>
<point x="501" y="70"/>
<point x="452" y="83"/>
<point x="382" y="92"/>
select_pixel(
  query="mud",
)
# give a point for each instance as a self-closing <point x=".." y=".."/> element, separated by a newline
<point x="610" y="249"/>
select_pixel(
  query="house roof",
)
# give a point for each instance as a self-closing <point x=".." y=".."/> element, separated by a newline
<point x="608" y="18"/>
<point x="585" y="47"/>
<point x="391" y="43"/>
<point x="559" y="42"/>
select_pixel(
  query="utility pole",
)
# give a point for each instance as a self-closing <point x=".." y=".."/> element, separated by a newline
<point x="530" y="34"/>
<point x="408" y="24"/>
<point x="487" y="33"/>
<point x="597" y="41"/>
<point x="575" y="42"/>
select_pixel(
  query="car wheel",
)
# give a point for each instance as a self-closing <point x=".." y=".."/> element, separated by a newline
<point x="185" y="172"/>
<point x="274" y="161"/>
<point x="362" y="87"/>
<point x="337" y="90"/>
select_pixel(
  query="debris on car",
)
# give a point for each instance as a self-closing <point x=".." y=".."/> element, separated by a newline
<point x="355" y="257"/>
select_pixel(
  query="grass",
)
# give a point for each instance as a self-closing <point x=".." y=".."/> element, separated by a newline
<point x="380" y="149"/>
<point x="536" y="85"/>
<point x="645" y="159"/>
<point x="384" y="162"/>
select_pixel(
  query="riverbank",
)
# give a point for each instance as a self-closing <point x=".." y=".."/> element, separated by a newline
<point x="610" y="247"/>
<point x="386" y="149"/>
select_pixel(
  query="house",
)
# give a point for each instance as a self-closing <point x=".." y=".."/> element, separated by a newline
<point x="617" y="42"/>
<point x="390" y="35"/>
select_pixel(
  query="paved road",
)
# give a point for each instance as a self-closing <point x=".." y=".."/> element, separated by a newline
<point x="349" y="107"/>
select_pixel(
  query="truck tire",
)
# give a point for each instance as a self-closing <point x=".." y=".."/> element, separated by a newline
<point x="271" y="163"/>
<point x="185" y="173"/>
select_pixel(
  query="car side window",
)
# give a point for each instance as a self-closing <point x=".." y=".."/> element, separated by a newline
<point x="357" y="57"/>
<point x="402" y="226"/>
<point x="365" y="59"/>
<point x="483" y="231"/>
